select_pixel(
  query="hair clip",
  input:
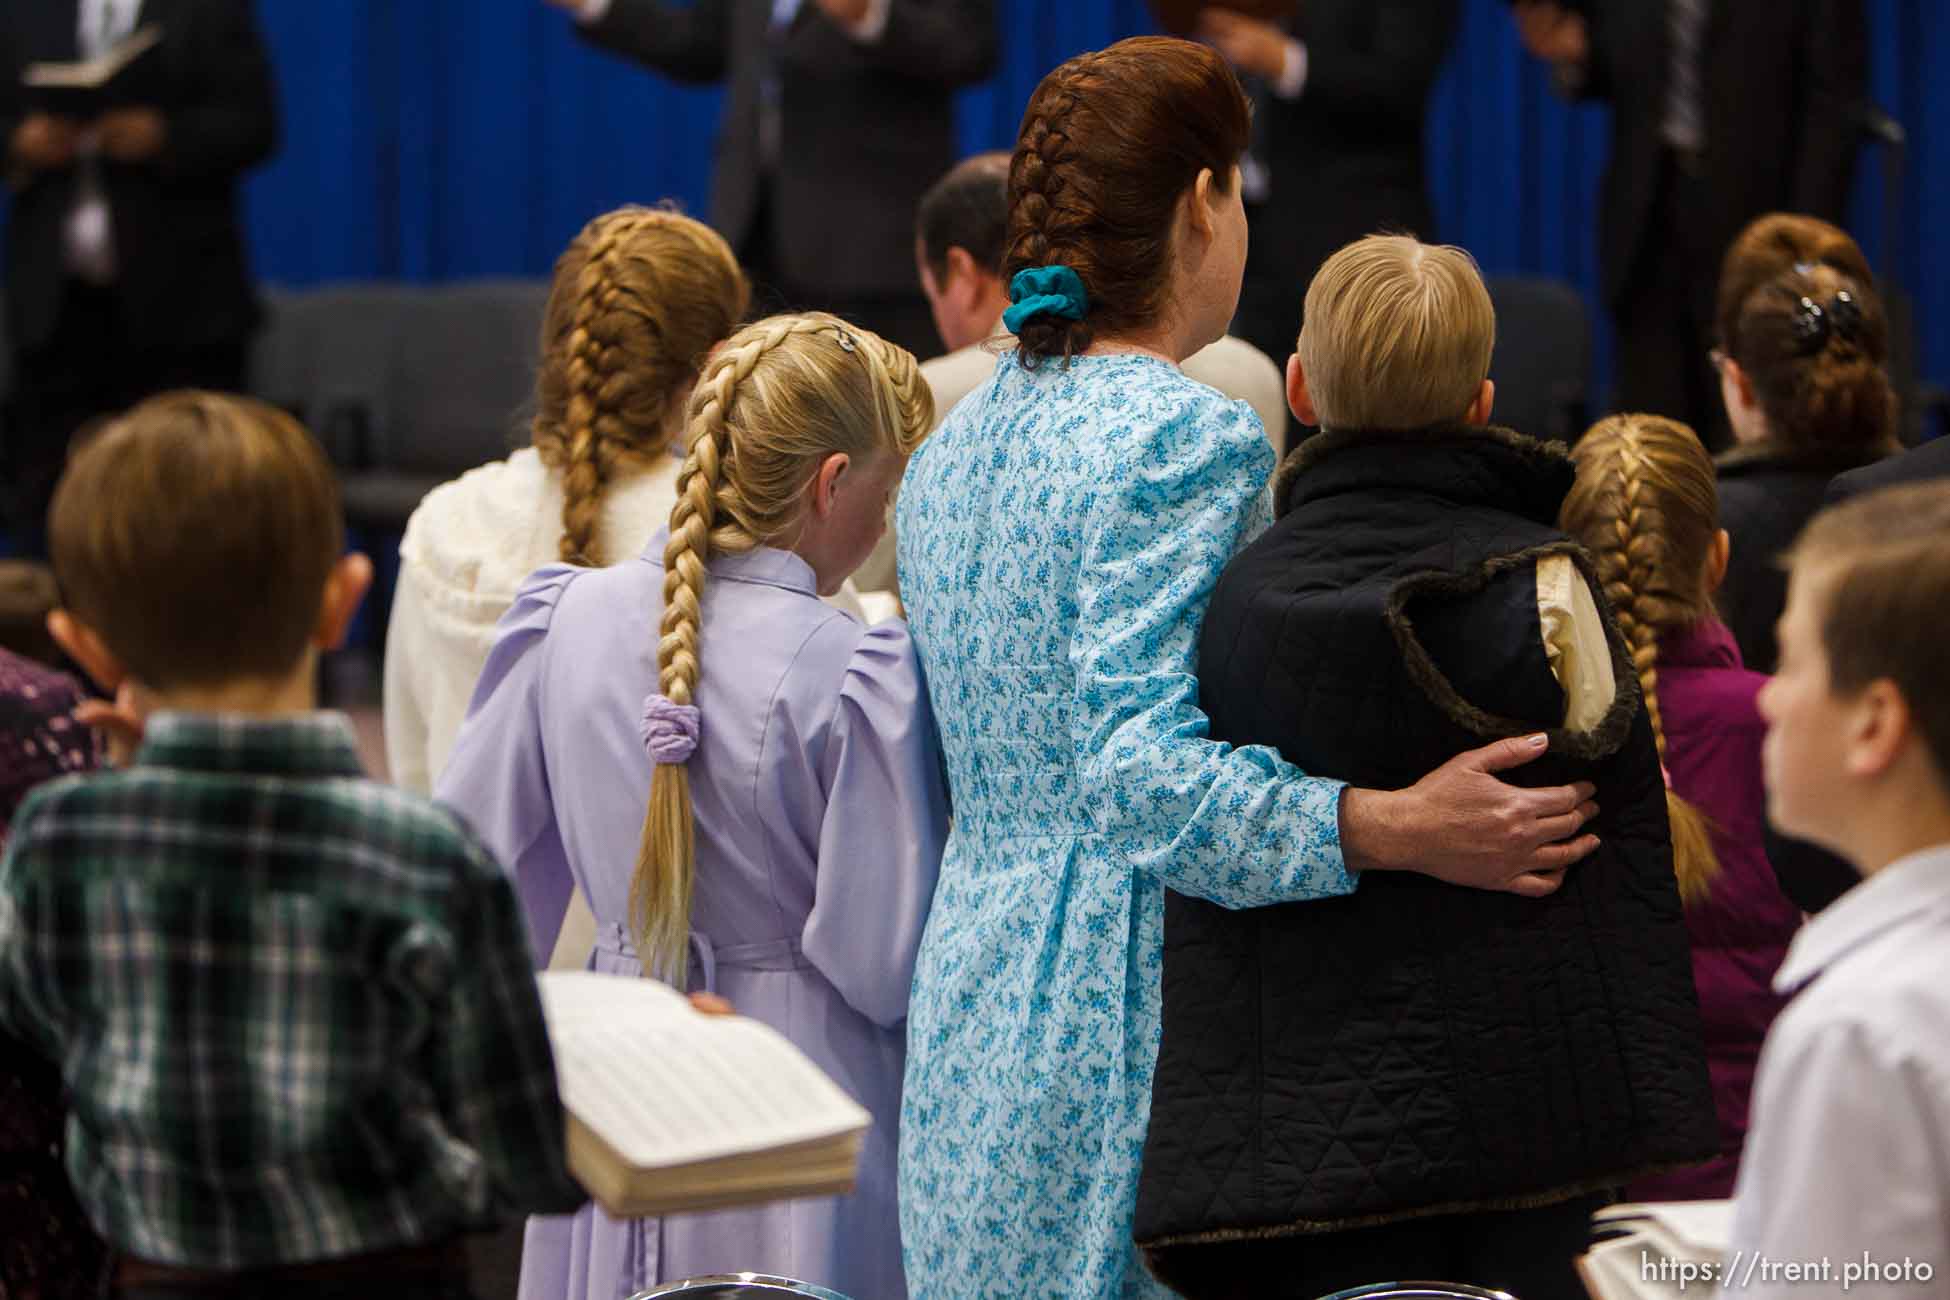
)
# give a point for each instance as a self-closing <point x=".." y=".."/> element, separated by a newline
<point x="1845" y="314"/>
<point x="1810" y="325"/>
<point x="846" y="341"/>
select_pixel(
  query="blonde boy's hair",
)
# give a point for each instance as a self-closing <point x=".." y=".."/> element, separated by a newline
<point x="1881" y="571"/>
<point x="1397" y="336"/>
<point x="195" y="535"/>
<point x="777" y="399"/>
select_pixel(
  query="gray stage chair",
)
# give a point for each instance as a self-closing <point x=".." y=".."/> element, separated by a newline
<point x="325" y="355"/>
<point x="460" y="386"/>
<point x="1542" y="361"/>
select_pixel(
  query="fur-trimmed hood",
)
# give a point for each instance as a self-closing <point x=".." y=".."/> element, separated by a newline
<point x="1527" y="474"/>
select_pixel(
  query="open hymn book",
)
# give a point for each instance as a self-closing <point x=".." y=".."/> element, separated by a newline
<point x="84" y="88"/>
<point x="671" y="1110"/>
<point x="1662" y="1248"/>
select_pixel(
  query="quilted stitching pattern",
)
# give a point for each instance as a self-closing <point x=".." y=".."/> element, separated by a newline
<point x="1415" y="1045"/>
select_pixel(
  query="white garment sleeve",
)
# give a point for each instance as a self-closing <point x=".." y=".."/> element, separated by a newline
<point x="1844" y="1166"/>
<point x="410" y="645"/>
<point x="1293" y="70"/>
<point x="1575" y="642"/>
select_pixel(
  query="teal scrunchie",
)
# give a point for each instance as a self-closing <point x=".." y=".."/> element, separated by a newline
<point x="1039" y="290"/>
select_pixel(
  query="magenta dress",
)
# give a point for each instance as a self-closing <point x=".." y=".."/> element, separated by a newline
<point x="1741" y="931"/>
<point x="821" y="816"/>
<point x="47" y="1247"/>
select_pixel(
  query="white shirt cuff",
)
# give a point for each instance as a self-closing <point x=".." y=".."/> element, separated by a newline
<point x="872" y="25"/>
<point x="1293" y="71"/>
<point x="592" y="11"/>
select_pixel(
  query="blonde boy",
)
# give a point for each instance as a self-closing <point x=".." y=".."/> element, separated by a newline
<point x="293" y="1008"/>
<point x="1419" y="1080"/>
<point x="1847" y="1167"/>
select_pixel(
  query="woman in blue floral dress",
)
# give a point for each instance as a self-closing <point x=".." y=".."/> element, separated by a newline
<point x="1059" y="539"/>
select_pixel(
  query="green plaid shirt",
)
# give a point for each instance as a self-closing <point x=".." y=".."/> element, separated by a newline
<point x="294" y="1008"/>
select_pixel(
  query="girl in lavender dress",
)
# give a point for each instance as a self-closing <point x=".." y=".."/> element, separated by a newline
<point x="787" y="758"/>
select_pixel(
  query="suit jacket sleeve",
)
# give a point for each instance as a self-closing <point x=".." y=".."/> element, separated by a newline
<point x="1593" y="78"/>
<point x="1835" y="69"/>
<point x="1392" y="78"/>
<point x="946" y="42"/>
<point x="230" y="123"/>
<point x="687" y="44"/>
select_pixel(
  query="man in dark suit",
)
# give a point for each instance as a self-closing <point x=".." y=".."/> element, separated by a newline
<point x="1721" y="110"/>
<point x="125" y="271"/>
<point x="1341" y="94"/>
<point x="839" y="113"/>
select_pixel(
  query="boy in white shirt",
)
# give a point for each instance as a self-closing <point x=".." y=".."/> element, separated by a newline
<point x="1846" y="1179"/>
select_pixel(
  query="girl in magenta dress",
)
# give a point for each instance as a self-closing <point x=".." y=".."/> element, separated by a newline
<point x="1645" y="504"/>
<point x="47" y="1248"/>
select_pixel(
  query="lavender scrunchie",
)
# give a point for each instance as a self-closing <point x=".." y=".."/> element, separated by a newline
<point x="669" y="729"/>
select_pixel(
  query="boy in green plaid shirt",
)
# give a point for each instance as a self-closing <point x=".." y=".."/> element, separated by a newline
<point x="294" y="1008"/>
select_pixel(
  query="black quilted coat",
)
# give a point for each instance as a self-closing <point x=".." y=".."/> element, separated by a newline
<point x="1418" y="1048"/>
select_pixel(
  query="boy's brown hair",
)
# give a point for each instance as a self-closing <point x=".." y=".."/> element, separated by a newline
<point x="1397" y="335"/>
<point x="1881" y="570"/>
<point x="195" y="535"/>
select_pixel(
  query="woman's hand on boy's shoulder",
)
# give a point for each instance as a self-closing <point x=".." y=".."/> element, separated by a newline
<point x="1463" y="825"/>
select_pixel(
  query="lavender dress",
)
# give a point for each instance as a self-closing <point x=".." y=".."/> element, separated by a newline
<point x="821" y="817"/>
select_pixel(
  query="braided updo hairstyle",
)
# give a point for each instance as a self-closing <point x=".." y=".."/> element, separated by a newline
<point x="1646" y="505"/>
<point x="1777" y="242"/>
<point x="1109" y="144"/>
<point x="639" y="298"/>
<point x="1827" y="393"/>
<point x="777" y="399"/>
<point x="1814" y="343"/>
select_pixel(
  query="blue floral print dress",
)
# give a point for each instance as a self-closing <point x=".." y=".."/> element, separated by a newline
<point x="1060" y="536"/>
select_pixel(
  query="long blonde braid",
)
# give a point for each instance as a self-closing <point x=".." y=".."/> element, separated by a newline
<point x="1646" y="507"/>
<point x="639" y="299"/>
<point x="775" y="401"/>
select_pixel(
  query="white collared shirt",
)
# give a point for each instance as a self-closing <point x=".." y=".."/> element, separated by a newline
<point x="88" y="241"/>
<point x="1847" y="1163"/>
<point x="100" y="24"/>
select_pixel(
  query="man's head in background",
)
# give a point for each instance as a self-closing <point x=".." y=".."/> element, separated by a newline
<point x="961" y="228"/>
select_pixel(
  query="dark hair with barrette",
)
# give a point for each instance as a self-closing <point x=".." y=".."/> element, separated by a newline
<point x="1815" y="324"/>
<point x="1770" y="245"/>
<point x="1813" y="342"/>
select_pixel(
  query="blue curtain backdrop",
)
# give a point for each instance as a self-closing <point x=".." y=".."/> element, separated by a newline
<point x="429" y="140"/>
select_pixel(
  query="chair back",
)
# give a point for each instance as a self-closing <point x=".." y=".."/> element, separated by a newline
<point x="325" y="355"/>
<point x="464" y="376"/>
<point x="1542" y="360"/>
